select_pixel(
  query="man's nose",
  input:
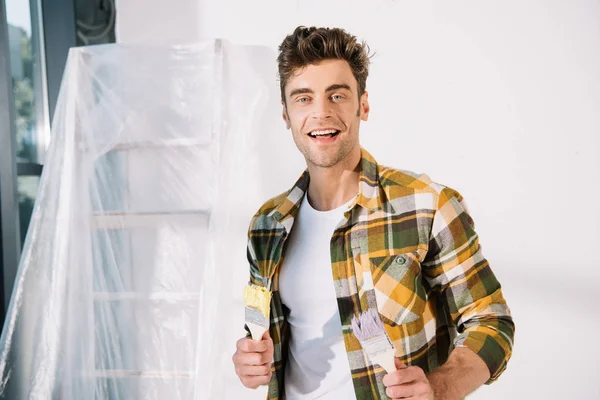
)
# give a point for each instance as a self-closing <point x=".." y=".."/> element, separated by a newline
<point x="322" y="109"/>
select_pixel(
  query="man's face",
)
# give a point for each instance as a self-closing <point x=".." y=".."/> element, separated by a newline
<point x="324" y="112"/>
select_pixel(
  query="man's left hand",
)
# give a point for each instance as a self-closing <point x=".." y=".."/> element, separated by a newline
<point x="408" y="383"/>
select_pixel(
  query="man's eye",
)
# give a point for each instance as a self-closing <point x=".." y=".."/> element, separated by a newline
<point x="302" y="100"/>
<point x="337" y="97"/>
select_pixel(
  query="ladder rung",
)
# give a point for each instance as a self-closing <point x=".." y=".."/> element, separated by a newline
<point x="121" y="219"/>
<point x="173" y="143"/>
<point x="124" y="373"/>
<point x="119" y="296"/>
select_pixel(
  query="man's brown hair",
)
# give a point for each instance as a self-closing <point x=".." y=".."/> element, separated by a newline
<point x="312" y="45"/>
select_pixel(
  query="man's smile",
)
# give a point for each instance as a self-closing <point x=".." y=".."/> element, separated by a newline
<point x="321" y="134"/>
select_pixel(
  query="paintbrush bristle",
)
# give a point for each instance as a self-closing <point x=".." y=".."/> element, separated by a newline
<point x="368" y="325"/>
<point x="258" y="298"/>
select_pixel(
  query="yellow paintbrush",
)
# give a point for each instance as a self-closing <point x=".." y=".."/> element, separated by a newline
<point x="258" y="303"/>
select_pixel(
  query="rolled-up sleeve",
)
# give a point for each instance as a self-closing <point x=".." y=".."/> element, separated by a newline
<point x="457" y="271"/>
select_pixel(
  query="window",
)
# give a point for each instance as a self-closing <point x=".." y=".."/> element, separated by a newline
<point x="31" y="119"/>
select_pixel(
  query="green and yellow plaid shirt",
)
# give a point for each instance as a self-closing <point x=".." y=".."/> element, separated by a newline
<point x="407" y="247"/>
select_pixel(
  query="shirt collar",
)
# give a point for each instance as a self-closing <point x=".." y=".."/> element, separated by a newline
<point x="370" y="193"/>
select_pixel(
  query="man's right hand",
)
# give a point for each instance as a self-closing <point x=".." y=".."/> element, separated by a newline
<point x="253" y="360"/>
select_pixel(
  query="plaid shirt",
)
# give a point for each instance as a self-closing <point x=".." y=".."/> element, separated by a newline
<point x="407" y="247"/>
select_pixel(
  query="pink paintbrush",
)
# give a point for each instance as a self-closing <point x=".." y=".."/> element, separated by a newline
<point x="368" y="329"/>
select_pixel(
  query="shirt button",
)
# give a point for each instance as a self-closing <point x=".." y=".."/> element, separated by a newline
<point x="400" y="260"/>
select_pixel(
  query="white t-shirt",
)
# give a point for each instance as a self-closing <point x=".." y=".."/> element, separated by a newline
<point x="317" y="366"/>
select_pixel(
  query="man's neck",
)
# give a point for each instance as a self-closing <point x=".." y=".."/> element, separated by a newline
<point x="333" y="187"/>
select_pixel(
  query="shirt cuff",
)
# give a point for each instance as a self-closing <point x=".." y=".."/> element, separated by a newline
<point x="488" y="344"/>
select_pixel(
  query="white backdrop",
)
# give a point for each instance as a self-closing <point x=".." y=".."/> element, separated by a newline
<point x="497" y="99"/>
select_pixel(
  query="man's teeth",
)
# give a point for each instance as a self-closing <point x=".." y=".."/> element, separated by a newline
<point x="323" y="133"/>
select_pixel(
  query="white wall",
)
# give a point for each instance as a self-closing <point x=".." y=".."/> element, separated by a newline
<point x="157" y="22"/>
<point x="497" y="99"/>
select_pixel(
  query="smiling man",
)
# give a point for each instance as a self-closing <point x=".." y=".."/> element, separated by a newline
<point x="352" y="235"/>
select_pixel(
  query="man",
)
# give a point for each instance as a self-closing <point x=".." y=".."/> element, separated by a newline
<point x="352" y="235"/>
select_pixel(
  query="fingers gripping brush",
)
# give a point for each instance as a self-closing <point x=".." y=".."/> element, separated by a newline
<point x="368" y="329"/>
<point x="258" y="302"/>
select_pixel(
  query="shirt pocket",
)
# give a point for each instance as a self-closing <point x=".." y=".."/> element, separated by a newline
<point x="398" y="287"/>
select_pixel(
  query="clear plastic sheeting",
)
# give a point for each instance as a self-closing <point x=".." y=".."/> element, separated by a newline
<point x="127" y="283"/>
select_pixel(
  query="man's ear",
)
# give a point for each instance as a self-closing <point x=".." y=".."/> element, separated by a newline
<point x="364" y="106"/>
<point x="285" y="115"/>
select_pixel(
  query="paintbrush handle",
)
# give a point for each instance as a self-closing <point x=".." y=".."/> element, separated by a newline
<point x="257" y="331"/>
<point x="386" y="360"/>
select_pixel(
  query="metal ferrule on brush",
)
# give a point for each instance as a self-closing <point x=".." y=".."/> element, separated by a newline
<point x="377" y="345"/>
<point x="255" y="316"/>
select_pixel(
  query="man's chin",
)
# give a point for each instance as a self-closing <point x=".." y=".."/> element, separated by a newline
<point x="327" y="158"/>
<point x="322" y="161"/>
